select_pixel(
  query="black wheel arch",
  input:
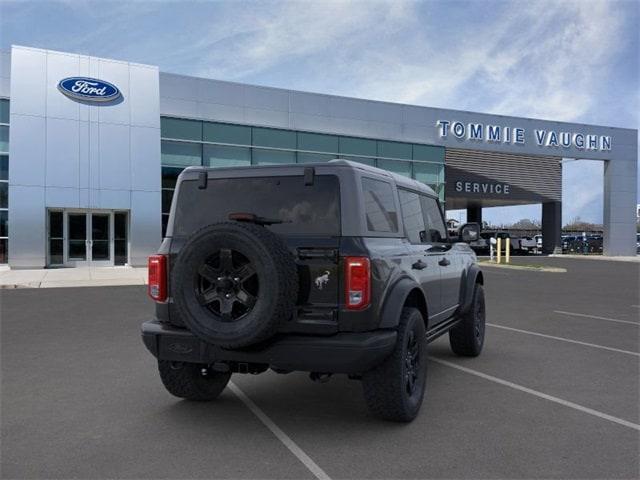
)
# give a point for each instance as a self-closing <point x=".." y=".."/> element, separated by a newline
<point x="470" y="277"/>
<point x="406" y="292"/>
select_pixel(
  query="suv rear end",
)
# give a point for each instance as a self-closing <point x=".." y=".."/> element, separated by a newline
<point x="330" y="328"/>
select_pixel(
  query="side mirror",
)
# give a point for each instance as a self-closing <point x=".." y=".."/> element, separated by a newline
<point x="469" y="232"/>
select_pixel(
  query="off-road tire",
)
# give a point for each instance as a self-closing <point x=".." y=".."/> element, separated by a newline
<point x="467" y="337"/>
<point x="192" y="381"/>
<point x="385" y="386"/>
<point x="276" y="274"/>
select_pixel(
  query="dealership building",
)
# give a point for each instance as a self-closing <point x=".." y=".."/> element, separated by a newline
<point x="90" y="150"/>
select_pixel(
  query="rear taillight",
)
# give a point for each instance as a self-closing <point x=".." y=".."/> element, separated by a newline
<point x="157" y="288"/>
<point x="357" y="276"/>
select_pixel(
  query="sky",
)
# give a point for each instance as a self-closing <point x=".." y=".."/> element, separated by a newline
<point x="558" y="60"/>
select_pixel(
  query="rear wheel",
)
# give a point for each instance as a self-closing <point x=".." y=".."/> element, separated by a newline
<point x="467" y="337"/>
<point x="192" y="381"/>
<point x="394" y="389"/>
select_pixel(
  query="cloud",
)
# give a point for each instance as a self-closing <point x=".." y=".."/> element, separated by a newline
<point x="573" y="61"/>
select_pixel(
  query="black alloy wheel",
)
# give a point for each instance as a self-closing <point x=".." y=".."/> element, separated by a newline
<point x="227" y="285"/>
<point x="412" y="363"/>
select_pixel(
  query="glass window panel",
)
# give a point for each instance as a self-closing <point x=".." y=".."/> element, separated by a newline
<point x="358" y="146"/>
<point x="380" y="207"/>
<point x="165" y="220"/>
<point x="272" y="157"/>
<point x="4" y="139"/>
<point x="77" y="236"/>
<point x="55" y="252"/>
<point x="303" y="209"/>
<point x="99" y="227"/>
<point x="314" y="157"/>
<point x="317" y="142"/>
<point x="120" y="242"/>
<point x="176" y="153"/>
<point x="226" y="133"/>
<point x="167" y="195"/>
<point x="120" y="252"/>
<point x="402" y="168"/>
<point x="436" y="230"/>
<point x="428" y="153"/>
<point x="77" y="226"/>
<point x="271" y="137"/>
<point x="170" y="176"/>
<point x="4" y="223"/>
<point x="179" y="128"/>
<point x="223" y="156"/>
<point x="4" y="194"/>
<point x="55" y="225"/>
<point x="120" y="226"/>
<point x="412" y="216"/>
<point x="394" y="150"/>
<point x="4" y="250"/>
<point x="365" y="160"/>
<point x="428" y="173"/>
<point x="4" y="167"/>
<point x="100" y="250"/>
<point x="4" y="111"/>
<point x="77" y="250"/>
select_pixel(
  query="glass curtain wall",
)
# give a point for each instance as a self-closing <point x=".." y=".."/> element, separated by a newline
<point x="193" y="142"/>
<point x="4" y="181"/>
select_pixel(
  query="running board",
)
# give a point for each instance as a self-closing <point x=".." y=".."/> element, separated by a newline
<point x="441" y="328"/>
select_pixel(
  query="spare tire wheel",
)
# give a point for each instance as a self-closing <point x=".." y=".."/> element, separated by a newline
<point x="233" y="282"/>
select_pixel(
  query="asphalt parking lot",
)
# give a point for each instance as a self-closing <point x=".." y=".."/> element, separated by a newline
<point x="554" y="395"/>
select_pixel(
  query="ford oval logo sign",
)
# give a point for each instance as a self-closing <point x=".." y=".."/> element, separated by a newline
<point x="88" y="89"/>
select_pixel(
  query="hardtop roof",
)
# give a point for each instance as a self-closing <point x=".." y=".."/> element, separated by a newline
<point x="399" y="180"/>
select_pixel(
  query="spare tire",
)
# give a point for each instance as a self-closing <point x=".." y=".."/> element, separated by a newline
<point x="232" y="283"/>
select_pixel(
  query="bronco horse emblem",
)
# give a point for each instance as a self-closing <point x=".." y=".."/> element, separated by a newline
<point x="322" y="280"/>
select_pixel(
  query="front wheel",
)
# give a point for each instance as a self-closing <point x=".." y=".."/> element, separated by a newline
<point x="192" y="381"/>
<point x="467" y="337"/>
<point x="394" y="389"/>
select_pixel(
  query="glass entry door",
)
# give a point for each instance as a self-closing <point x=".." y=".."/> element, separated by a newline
<point x="100" y="244"/>
<point x="87" y="238"/>
<point x="77" y="240"/>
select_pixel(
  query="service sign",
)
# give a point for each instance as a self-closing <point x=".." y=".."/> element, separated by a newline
<point x="88" y="89"/>
<point x="478" y="132"/>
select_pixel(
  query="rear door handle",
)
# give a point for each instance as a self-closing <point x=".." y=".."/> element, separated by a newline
<point x="419" y="265"/>
<point x="444" y="262"/>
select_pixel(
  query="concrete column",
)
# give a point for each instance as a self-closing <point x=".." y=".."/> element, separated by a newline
<point x="552" y="227"/>
<point x="620" y="198"/>
<point x="474" y="214"/>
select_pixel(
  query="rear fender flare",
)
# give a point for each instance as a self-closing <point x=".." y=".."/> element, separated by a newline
<point x="396" y="299"/>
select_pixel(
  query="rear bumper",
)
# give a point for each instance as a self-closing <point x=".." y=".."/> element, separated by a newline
<point x="339" y="353"/>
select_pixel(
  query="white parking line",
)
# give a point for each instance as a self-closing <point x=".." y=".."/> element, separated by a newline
<point x="602" y="347"/>
<point x="573" y="314"/>
<point x="280" y="435"/>
<point x="530" y="391"/>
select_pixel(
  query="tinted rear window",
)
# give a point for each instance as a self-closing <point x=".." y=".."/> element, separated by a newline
<point x="309" y="210"/>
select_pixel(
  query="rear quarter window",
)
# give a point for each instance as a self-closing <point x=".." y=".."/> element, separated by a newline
<point x="379" y="206"/>
<point x="303" y="209"/>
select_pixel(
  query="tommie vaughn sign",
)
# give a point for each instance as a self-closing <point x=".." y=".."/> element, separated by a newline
<point x="88" y="89"/>
<point x="478" y="132"/>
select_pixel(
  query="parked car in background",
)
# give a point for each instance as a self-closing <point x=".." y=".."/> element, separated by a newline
<point x="528" y="245"/>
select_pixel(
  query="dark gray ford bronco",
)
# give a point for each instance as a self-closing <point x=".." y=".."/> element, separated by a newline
<point x="326" y="268"/>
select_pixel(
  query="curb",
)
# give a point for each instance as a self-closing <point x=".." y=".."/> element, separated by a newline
<point x="73" y="284"/>
<point x="523" y="267"/>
